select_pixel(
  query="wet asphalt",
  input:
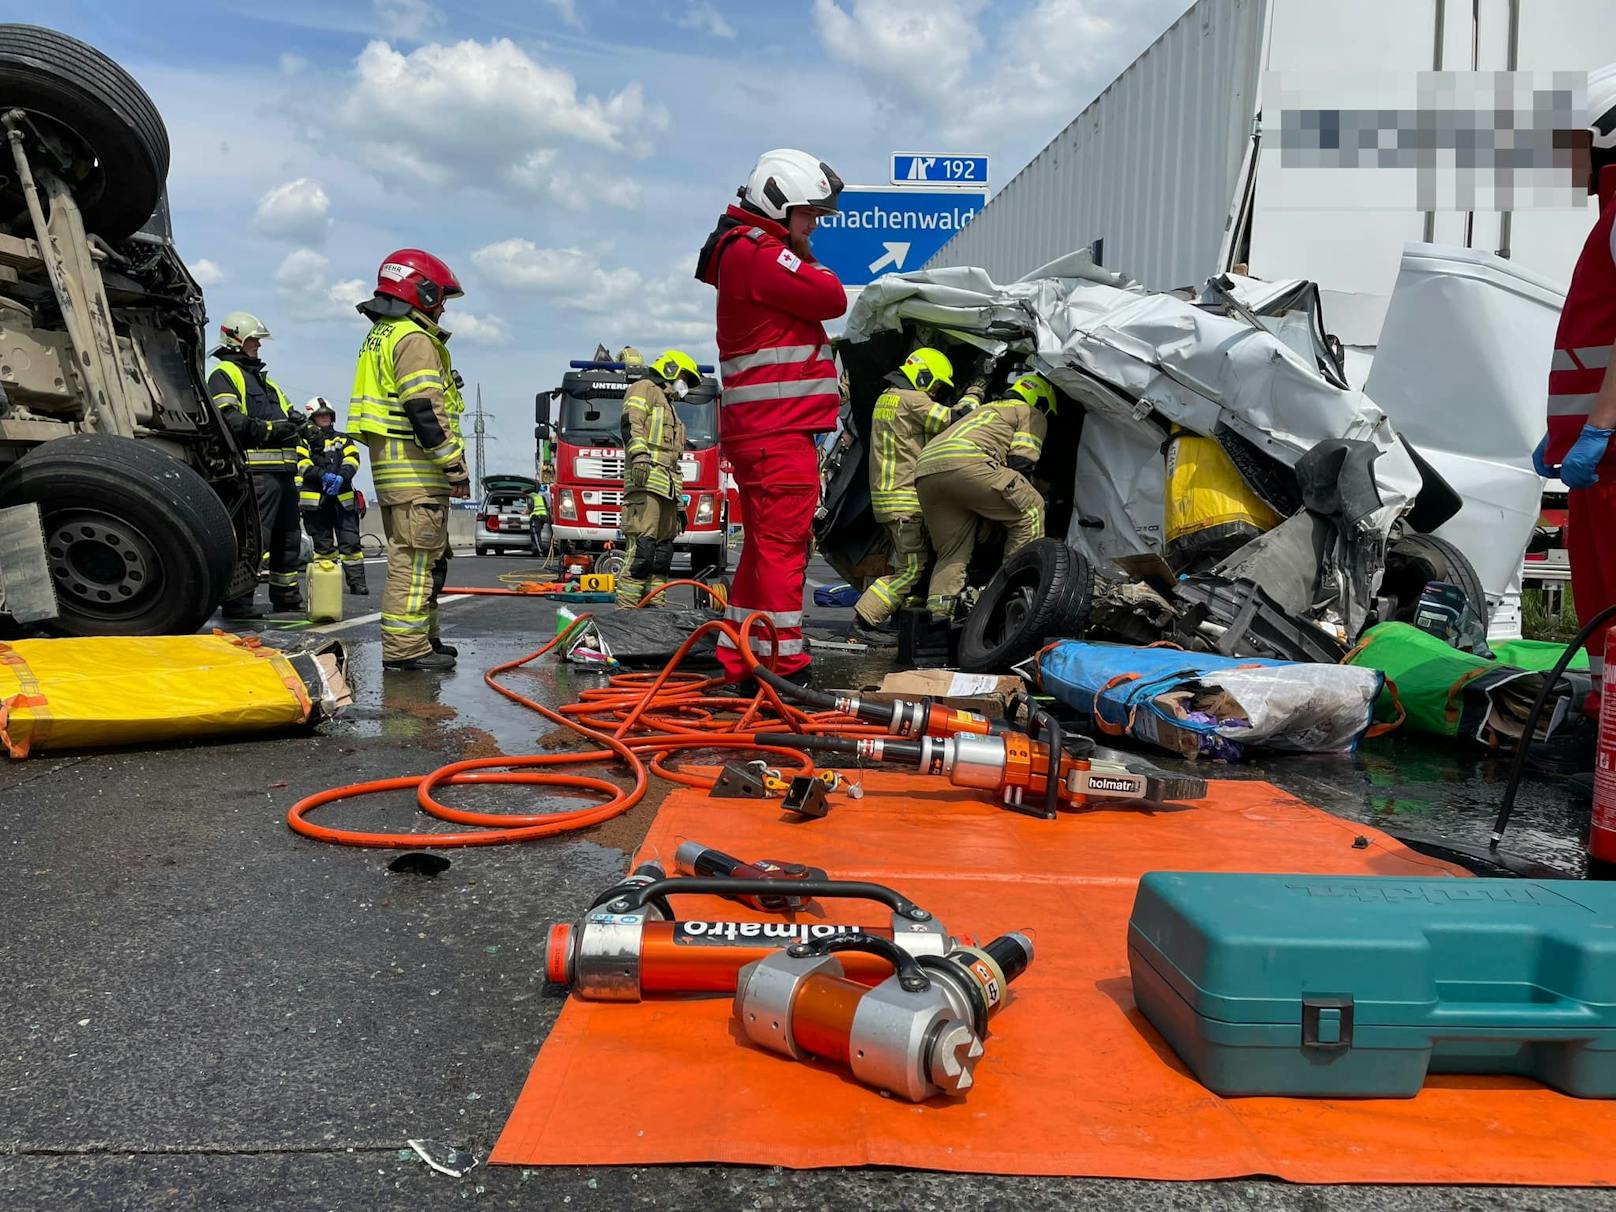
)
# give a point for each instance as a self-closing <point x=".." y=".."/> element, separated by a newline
<point x="201" y="1010"/>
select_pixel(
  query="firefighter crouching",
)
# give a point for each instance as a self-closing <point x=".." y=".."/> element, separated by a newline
<point x="264" y="424"/>
<point x="907" y="416"/>
<point x="401" y="406"/>
<point x="327" y="461"/>
<point x="654" y="441"/>
<point x="977" y="469"/>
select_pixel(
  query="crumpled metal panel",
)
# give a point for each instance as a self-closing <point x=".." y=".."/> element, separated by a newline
<point x="1125" y="352"/>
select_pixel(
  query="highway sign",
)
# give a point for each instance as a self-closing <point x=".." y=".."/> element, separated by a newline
<point x="880" y="229"/>
<point x="938" y="168"/>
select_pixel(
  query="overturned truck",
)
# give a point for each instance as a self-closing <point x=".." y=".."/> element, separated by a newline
<point x="1211" y="477"/>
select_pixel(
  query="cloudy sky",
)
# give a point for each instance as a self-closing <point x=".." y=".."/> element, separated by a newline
<point x="566" y="157"/>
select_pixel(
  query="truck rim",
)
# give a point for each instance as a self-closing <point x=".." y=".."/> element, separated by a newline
<point x="100" y="563"/>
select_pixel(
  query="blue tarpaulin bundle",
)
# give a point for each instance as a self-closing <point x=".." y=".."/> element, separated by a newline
<point x="1197" y="703"/>
<point x="836" y="595"/>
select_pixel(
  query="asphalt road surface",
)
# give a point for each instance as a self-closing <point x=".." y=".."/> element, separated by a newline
<point x="201" y="1010"/>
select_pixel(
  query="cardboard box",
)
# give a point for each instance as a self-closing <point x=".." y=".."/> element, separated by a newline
<point x="985" y="693"/>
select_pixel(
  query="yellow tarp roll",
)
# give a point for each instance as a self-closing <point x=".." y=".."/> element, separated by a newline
<point x="129" y="690"/>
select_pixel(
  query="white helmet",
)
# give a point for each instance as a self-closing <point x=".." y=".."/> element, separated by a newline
<point x="785" y="178"/>
<point x="1602" y="106"/>
<point x="239" y="327"/>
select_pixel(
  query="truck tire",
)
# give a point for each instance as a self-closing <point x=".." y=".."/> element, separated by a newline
<point x="1415" y="559"/>
<point x="80" y="90"/>
<point x="137" y="542"/>
<point x="1042" y="593"/>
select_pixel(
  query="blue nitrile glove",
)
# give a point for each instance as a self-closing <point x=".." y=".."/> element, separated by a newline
<point x="331" y="483"/>
<point x="1540" y="461"/>
<point x="1581" y="466"/>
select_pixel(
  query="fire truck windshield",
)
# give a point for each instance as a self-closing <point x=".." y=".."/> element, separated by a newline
<point x="597" y="421"/>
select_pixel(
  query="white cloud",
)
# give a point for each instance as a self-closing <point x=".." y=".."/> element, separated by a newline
<point x="567" y="10"/>
<point x="484" y="114"/>
<point x="207" y="273"/>
<point x="469" y="328"/>
<point x="703" y="17"/>
<point x="292" y="65"/>
<point x="931" y="59"/>
<point x="409" y="20"/>
<point x="670" y="307"/>
<point x="298" y="211"/>
<point x="309" y="293"/>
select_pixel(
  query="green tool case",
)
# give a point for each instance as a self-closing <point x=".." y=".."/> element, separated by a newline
<point x="1358" y="986"/>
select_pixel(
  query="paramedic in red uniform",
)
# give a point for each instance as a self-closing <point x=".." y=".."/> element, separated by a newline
<point x="1582" y="385"/>
<point x="779" y="385"/>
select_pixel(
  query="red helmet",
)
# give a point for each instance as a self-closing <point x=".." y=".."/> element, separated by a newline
<point x="418" y="278"/>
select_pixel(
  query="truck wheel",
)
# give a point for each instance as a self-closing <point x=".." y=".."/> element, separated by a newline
<point x="1042" y="593"/>
<point x="112" y="125"/>
<point x="137" y="542"/>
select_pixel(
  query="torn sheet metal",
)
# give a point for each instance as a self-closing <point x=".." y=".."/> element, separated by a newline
<point x="1205" y="363"/>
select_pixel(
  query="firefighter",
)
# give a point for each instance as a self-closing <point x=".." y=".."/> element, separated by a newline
<point x="987" y="456"/>
<point x="654" y="440"/>
<point x="266" y="427"/>
<point x="907" y="416"/>
<point x="327" y="461"/>
<point x="780" y="385"/>
<point x="1582" y="384"/>
<point x="538" y="520"/>
<point x="403" y="407"/>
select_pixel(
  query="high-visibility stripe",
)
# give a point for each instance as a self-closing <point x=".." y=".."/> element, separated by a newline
<point x="277" y="459"/>
<point x="1571" y="406"/>
<point x="780" y="618"/>
<point x="1028" y="442"/>
<point x="1563" y="361"/>
<point x="789" y="390"/>
<point x="760" y="645"/>
<point x="1594" y="357"/>
<point x="780" y="355"/>
<point x="352" y="557"/>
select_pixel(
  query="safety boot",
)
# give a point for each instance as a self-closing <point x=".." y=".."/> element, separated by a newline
<point x="426" y="662"/>
<point x="448" y="650"/>
<point x="874" y="635"/>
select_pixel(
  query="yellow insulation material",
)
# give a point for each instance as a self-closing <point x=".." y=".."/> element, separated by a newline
<point x="128" y="690"/>
<point x="1204" y="489"/>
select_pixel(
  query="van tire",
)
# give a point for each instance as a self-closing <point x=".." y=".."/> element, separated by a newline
<point x="1044" y="592"/>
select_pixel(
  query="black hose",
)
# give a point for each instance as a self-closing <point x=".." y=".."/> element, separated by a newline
<point x="1517" y="766"/>
<point x="908" y="752"/>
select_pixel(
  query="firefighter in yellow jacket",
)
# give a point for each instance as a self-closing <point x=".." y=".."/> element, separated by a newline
<point x="653" y="496"/>
<point x="907" y="416"/>
<point x="403" y="406"/>
<point x="977" y="468"/>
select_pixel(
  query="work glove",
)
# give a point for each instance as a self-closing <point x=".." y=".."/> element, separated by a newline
<point x="639" y="472"/>
<point x="1540" y="460"/>
<point x="331" y="484"/>
<point x="975" y="392"/>
<point x="281" y="433"/>
<point x="1024" y="466"/>
<point x="1581" y="466"/>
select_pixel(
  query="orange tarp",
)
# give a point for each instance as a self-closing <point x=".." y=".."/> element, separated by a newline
<point x="1075" y="1081"/>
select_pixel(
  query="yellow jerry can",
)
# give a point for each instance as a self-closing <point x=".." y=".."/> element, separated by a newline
<point x="325" y="592"/>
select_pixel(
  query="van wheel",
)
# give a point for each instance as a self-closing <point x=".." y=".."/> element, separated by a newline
<point x="1044" y="592"/>
<point x="136" y="541"/>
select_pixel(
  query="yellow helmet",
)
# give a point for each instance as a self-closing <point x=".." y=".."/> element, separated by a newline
<point x="1036" y="390"/>
<point x="673" y="362"/>
<point x="927" y="367"/>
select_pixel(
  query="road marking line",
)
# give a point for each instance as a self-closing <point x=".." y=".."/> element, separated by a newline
<point x="447" y="600"/>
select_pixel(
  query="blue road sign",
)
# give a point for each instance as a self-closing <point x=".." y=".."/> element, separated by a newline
<point x="938" y="168"/>
<point x="881" y="230"/>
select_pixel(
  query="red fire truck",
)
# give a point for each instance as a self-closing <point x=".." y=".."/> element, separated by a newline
<point x="583" y="419"/>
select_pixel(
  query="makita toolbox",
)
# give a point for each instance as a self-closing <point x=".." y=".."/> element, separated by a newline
<point x="1356" y="987"/>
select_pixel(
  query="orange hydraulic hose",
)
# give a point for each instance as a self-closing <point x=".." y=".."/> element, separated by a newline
<point x="638" y="719"/>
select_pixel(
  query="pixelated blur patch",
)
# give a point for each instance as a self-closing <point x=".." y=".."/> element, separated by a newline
<point x="1428" y="141"/>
